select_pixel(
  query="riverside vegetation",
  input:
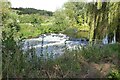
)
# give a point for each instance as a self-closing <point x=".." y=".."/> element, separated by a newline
<point x="76" y="19"/>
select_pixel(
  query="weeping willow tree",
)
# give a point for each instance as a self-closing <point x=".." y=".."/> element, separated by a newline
<point x="102" y="18"/>
<point x="99" y="18"/>
<point x="114" y="19"/>
<point x="78" y="18"/>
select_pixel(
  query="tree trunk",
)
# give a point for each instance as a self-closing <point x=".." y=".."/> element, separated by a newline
<point x="118" y="34"/>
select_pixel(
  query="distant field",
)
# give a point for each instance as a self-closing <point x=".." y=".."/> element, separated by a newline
<point x="28" y="30"/>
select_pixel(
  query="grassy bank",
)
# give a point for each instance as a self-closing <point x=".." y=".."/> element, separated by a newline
<point x="90" y="62"/>
<point x="34" y="30"/>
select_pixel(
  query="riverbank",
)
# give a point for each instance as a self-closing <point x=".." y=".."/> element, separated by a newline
<point x="90" y="62"/>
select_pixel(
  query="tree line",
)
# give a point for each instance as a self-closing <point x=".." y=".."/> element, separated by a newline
<point x="32" y="11"/>
<point x="94" y="17"/>
<point x="98" y="19"/>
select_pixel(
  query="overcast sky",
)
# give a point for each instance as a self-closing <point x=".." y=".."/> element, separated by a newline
<point x="50" y="5"/>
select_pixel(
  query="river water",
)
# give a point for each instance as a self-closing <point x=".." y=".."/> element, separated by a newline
<point x="54" y="44"/>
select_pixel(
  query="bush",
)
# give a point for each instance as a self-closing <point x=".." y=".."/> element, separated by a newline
<point x="68" y="65"/>
<point x="99" y="53"/>
<point x="114" y="74"/>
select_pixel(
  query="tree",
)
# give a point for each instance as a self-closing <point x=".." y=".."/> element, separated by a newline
<point x="10" y="39"/>
<point x="60" y="21"/>
<point x="21" y="11"/>
<point x="104" y="18"/>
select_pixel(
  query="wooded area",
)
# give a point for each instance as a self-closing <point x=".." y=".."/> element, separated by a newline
<point x="92" y="21"/>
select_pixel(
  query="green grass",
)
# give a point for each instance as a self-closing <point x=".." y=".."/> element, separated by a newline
<point x="29" y="30"/>
<point x="97" y="53"/>
<point x="71" y="64"/>
<point x="46" y="24"/>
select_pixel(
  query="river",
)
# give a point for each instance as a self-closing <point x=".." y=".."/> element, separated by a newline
<point x="55" y="44"/>
<point x="52" y="43"/>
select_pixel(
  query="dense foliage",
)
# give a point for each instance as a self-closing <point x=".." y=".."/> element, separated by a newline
<point x="94" y="18"/>
<point x="89" y="20"/>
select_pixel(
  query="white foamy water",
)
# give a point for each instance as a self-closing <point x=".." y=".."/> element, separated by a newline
<point x="52" y="44"/>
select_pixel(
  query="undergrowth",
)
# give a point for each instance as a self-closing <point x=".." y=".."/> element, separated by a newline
<point x="72" y="64"/>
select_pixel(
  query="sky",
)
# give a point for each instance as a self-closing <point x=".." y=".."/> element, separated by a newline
<point x="49" y="5"/>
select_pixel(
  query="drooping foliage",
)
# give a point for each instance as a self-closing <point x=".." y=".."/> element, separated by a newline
<point x="105" y="17"/>
<point x="94" y="17"/>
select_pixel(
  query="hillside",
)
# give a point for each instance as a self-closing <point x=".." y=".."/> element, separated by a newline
<point x="32" y="11"/>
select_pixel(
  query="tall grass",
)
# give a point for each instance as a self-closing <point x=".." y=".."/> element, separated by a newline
<point x="71" y="64"/>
